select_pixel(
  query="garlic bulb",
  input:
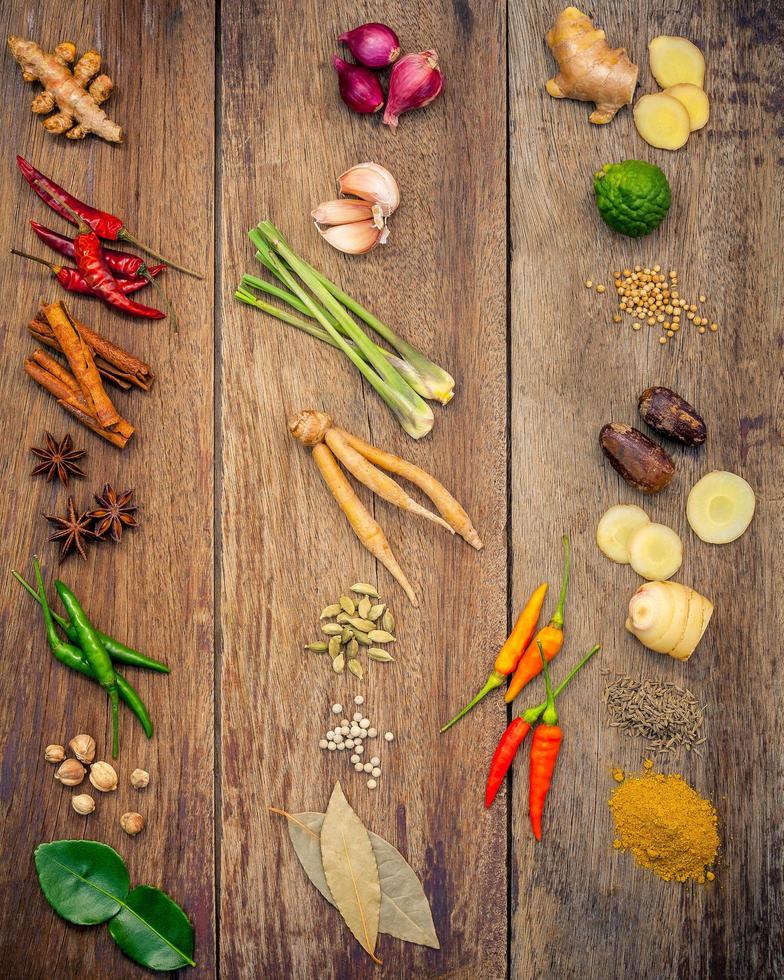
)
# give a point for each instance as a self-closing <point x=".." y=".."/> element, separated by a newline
<point x="355" y="226"/>
<point x="371" y="182"/>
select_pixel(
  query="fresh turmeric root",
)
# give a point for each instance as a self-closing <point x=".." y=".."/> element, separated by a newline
<point x="589" y="69"/>
<point x="67" y="90"/>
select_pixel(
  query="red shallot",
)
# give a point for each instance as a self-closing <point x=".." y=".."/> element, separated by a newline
<point x="415" y="81"/>
<point x="359" y="87"/>
<point x="374" y="45"/>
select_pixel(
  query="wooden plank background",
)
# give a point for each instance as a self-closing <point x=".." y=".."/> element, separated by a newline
<point x="232" y="111"/>
<point x="578" y="908"/>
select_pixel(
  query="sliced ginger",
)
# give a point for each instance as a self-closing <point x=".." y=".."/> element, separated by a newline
<point x="77" y="94"/>
<point x="655" y="552"/>
<point x="589" y="69"/>
<point x="675" y="60"/>
<point x="662" y="121"/>
<point x="615" y="528"/>
<point x="694" y="100"/>
<point x="720" y="507"/>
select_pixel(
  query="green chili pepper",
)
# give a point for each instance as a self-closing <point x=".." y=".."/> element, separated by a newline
<point x="94" y="652"/>
<point x="72" y="657"/>
<point x="116" y="650"/>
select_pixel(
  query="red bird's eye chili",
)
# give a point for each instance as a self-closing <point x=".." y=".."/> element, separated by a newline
<point x="545" y="746"/>
<point x="123" y="264"/>
<point x="74" y="281"/>
<point x="514" y="735"/>
<point x="510" y="652"/>
<point x="104" y="225"/>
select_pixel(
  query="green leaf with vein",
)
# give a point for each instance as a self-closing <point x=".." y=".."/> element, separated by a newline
<point x="351" y="870"/>
<point x="83" y="880"/>
<point x="153" y="930"/>
<point x="405" y="911"/>
<point x="87" y="882"/>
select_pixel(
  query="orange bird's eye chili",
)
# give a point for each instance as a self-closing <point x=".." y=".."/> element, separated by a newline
<point x="510" y="652"/>
<point x="514" y="735"/>
<point x="545" y="746"/>
<point x="551" y="637"/>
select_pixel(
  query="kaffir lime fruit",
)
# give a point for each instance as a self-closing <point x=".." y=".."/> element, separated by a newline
<point x="633" y="197"/>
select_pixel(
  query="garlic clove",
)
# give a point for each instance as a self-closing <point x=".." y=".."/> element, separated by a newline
<point x="373" y="183"/>
<point x="342" y="212"/>
<point x="356" y="238"/>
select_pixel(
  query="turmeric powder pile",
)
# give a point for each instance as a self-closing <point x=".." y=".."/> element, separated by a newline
<point x="669" y="828"/>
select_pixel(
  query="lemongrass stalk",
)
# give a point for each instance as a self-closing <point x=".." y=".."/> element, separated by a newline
<point x="368" y="349"/>
<point x="267" y="287"/>
<point x="407" y="370"/>
<point x="313" y="330"/>
<point x="439" y="384"/>
<point x="415" y="423"/>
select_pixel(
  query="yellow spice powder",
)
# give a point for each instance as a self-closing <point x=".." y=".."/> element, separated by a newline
<point x="669" y="828"/>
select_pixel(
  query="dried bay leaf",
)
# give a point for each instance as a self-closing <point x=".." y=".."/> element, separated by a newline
<point x="405" y="911"/>
<point x="351" y="870"/>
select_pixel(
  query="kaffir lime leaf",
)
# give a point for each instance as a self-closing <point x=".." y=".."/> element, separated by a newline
<point x="633" y="197"/>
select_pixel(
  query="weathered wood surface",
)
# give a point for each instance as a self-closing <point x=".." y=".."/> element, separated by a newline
<point x="286" y="549"/>
<point x="154" y="589"/>
<point x="578" y="908"/>
<point x="215" y="454"/>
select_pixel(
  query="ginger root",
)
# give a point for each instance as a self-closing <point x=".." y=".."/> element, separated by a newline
<point x="67" y="90"/>
<point x="662" y="121"/>
<point x="589" y="69"/>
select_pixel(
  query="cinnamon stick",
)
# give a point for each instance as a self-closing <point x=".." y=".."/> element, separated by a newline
<point x="82" y="364"/>
<point x="114" y="363"/>
<point x="52" y="376"/>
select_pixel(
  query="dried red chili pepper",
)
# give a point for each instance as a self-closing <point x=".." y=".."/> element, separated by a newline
<point x="71" y="208"/>
<point x="73" y="280"/>
<point x="122" y="264"/>
<point x="91" y="262"/>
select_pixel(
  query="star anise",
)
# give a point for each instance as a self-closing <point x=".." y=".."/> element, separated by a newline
<point x="73" y="530"/>
<point x="114" y="512"/>
<point x="58" y="460"/>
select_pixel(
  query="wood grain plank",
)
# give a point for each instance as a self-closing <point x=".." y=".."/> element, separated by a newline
<point x="287" y="552"/>
<point x="155" y="588"/>
<point x="579" y="909"/>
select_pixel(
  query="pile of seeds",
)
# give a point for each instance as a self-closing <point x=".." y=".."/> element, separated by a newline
<point x="666" y="715"/>
<point x="349" y="738"/>
<point x="354" y="623"/>
<point x="649" y="296"/>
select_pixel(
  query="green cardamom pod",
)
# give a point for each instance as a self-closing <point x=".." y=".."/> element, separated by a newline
<point x="362" y="624"/>
<point x="388" y="622"/>
<point x="339" y="664"/>
<point x="356" y="668"/>
<point x="330" y="611"/>
<point x="381" y="636"/>
<point x="347" y="634"/>
<point x="316" y="647"/>
<point x="362" y="588"/>
<point x="375" y="613"/>
<point x="347" y="605"/>
<point x="332" y="629"/>
<point x="334" y="646"/>
<point x="381" y="655"/>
